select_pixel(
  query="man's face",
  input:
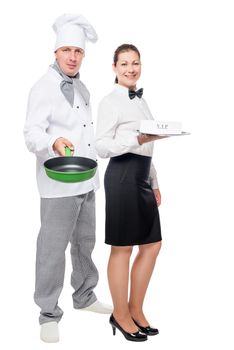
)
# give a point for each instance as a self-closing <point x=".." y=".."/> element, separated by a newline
<point x="69" y="59"/>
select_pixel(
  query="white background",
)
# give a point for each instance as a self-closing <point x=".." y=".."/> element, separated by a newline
<point x="188" y="75"/>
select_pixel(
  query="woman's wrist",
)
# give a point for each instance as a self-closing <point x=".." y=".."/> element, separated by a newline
<point x="139" y="140"/>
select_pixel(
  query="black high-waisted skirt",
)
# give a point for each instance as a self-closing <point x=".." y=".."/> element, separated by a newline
<point x="132" y="216"/>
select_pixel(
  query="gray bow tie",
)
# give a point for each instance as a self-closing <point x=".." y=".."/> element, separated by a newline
<point x="67" y="88"/>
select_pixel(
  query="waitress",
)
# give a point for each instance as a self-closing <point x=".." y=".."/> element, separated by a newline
<point x="132" y="195"/>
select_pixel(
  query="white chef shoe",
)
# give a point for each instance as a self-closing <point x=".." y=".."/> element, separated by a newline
<point x="50" y="332"/>
<point x="99" y="307"/>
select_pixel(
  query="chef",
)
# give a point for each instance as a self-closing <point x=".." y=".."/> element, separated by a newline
<point x="59" y="116"/>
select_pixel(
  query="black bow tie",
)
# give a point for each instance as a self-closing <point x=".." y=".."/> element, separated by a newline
<point x="132" y="94"/>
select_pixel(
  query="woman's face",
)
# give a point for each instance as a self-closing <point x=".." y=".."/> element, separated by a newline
<point x="128" y="69"/>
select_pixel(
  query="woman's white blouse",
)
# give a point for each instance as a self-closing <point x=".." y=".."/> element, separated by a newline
<point x="118" y="126"/>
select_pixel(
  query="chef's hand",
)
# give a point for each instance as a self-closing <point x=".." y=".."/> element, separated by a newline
<point x="60" y="144"/>
<point x="157" y="195"/>
<point x="144" y="138"/>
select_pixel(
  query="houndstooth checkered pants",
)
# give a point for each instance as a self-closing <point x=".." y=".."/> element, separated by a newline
<point x="64" y="220"/>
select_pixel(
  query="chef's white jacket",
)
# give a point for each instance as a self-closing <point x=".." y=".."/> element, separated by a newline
<point x="118" y="125"/>
<point x="50" y="116"/>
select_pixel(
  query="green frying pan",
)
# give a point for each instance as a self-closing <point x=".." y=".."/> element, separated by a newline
<point x="70" y="169"/>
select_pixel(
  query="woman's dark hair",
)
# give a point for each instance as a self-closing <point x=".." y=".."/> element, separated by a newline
<point x="124" y="48"/>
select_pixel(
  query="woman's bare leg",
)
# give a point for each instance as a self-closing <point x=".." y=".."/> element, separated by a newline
<point x="142" y="269"/>
<point x="118" y="276"/>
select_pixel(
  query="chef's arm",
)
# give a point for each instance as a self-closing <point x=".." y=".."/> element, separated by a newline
<point x="37" y="122"/>
<point x="107" y="123"/>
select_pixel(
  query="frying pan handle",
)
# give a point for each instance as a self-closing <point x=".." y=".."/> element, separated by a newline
<point x="68" y="151"/>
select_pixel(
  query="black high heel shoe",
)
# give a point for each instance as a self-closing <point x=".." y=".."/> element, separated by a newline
<point x="137" y="336"/>
<point x="147" y="330"/>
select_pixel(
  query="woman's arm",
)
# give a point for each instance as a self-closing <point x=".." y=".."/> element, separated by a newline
<point x="144" y="138"/>
<point x="154" y="184"/>
<point x="107" y="124"/>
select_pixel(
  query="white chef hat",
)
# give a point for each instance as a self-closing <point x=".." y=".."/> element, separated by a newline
<point x="73" y="30"/>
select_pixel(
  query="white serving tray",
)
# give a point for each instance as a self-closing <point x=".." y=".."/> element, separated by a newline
<point x="183" y="133"/>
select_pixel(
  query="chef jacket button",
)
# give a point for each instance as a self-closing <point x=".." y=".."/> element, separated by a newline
<point x="77" y="107"/>
<point x="88" y="144"/>
<point x="86" y="104"/>
<point x="92" y="123"/>
<point x="84" y="125"/>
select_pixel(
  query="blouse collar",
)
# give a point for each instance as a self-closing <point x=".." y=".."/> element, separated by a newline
<point x="121" y="89"/>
